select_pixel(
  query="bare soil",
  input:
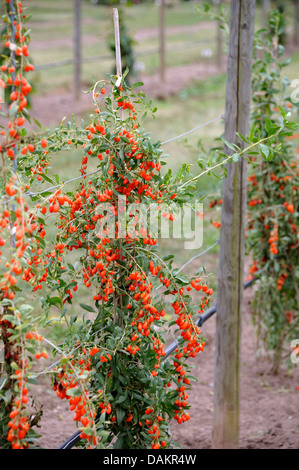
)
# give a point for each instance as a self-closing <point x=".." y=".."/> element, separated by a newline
<point x="139" y="36"/>
<point x="150" y="33"/>
<point x="49" y="109"/>
<point x="269" y="416"/>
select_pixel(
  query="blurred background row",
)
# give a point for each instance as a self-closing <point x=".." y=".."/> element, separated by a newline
<point x="73" y="40"/>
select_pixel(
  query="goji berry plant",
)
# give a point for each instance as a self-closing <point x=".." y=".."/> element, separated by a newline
<point x="273" y="197"/>
<point x="273" y="201"/>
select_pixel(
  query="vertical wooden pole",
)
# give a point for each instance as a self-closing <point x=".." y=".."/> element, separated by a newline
<point x="117" y="48"/>
<point x="118" y="300"/>
<point x="230" y="275"/>
<point x="162" y="41"/>
<point x="265" y="13"/>
<point x="77" y="48"/>
<point x="219" y="39"/>
<point x="219" y="46"/>
<point x="117" y="42"/>
<point x="296" y="22"/>
<point x="13" y="75"/>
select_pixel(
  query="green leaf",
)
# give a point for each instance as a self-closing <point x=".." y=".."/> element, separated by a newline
<point x="55" y="301"/>
<point x="87" y="307"/>
<point x="242" y="137"/>
<point x="37" y="123"/>
<point x="265" y="151"/>
<point x="181" y="279"/>
<point x="121" y="399"/>
<point x="137" y="84"/>
<point x="13" y="109"/>
<point x="228" y="144"/>
<point x="282" y="111"/>
<point x="32" y="381"/>
<point x="168" y="257"/>
<point x="70" y="285"/>
<point x="73" y="392"/>
<point x="47" y="178"/>
<point x="119" y="443"/>
<point x="120" y="414"/>
<point x="41" y="240"/>
<point x="270" y="127"/>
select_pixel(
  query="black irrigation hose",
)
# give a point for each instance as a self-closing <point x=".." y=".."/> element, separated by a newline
<point x="71" y="441"/>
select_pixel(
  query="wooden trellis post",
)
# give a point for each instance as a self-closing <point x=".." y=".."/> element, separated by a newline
<point x="230" y="275"/>
<point x="266" y="5"/>
<point x="117" y="42"/>
<point x="296" y="22"/>
<point x="117" y="48"/>
<point x="77" y="48"/>
<point x="219" y="39"/>
<point x="162" y="41"/>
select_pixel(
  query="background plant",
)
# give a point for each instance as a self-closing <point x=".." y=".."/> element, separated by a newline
<point x="272" y="229"/>
<point x="273" y="201"/>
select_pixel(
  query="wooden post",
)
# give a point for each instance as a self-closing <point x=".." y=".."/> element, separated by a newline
<point x="219" y="40"/>
<point x="13" y="76"/>
<point x="117" y="49"/>
<point x="265" y="13"/>
<point x="117" y="42"/>
<point x="230" y="275"/>
<point x="296" y="22"/>
<point x="77" y="49"/>
<point x="162" y="41"/>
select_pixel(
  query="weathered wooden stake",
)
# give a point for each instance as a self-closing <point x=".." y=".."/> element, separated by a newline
<point x="219" y="38"/>
<point x="230" y="275"/>
<point x="266" y="5"/>
<point x="117" y="49"/>
<point x="117" y="42"/>
<point x="296" y="22"/>
<point x="77" y="49"/>
<point x="162" y="41"/>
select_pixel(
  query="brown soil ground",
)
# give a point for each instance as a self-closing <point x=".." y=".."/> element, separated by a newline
<point x="50" y="109"/>
<point x="269" y="404"/>
<point x="139" y="36"/>
<point x="269" y="411"/>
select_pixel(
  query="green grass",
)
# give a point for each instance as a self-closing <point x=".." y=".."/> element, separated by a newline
<point x="291" y="70"/>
